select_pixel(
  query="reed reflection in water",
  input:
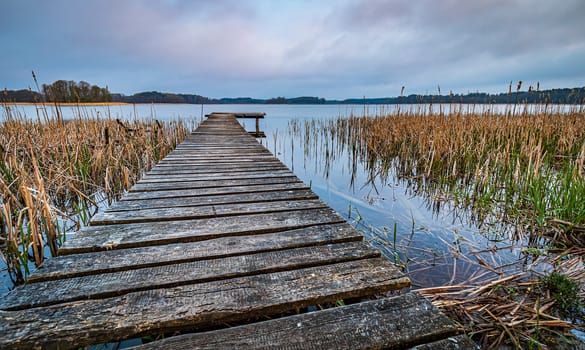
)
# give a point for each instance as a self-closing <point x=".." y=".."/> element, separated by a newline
<point x="414" y="219"/>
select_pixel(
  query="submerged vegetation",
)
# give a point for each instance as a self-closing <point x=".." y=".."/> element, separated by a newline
<point x="54" y="173"/>
<point x="518" y="171"/>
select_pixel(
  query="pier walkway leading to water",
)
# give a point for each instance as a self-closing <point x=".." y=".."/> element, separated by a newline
<point x="221" y="246"/>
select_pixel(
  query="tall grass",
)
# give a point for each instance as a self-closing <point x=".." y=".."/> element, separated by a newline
<point x="54" y="173"/>
<point x="520" y="168"/>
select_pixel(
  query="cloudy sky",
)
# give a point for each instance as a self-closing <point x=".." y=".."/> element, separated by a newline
<point x="332" y="49"/>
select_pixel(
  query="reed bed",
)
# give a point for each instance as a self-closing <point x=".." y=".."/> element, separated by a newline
<point x="54" y="173"/>
<point x="520" y="169"/>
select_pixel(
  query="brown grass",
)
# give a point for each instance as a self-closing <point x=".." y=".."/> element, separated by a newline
<point x="54" y="172"/>
<point x="516" y="310"/>
<point x="516" y="168"/>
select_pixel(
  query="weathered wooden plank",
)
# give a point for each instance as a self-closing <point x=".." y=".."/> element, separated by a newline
<point x="67" y="266"/>
<point x="197" y="305"/>
<point x="95" y="238"/>
<point x="218" y="176"/>
<point x="225" y="157"/>
<point x="198" y="146"/>
<point x="162" y="194"/>
<point x="219" y="172"/>
<point x="392" y="323"/>
<point x="168" y="276"/>
<point x="198" y="155"/>
<point x="225" y="151"/>
<point x="207" y="211"/>
<point x="212" y="183"/>
<point x="248" y="160"/>
<point x="216" y="135"/>
<point x="182" y="198"/>
<point x="238" y="147"/>
<point x="227" y="145"/>
<point x="214" y="160"/>
<point x="218" y="166"/>
<point x="241" y="198"/>
<point x="220" y="156"/>
<point x="213" y="136"/>
<point x="209" y="138"/>
<point x="219" y="130"/>
<point x="235" y="141"/>
<point x="197" y="201"/>
<point x="209" y="160"/>
<point x="209" y="169"/>
<point x="198" y="142"/>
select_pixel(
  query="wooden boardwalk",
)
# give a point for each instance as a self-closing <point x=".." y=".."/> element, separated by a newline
<point x="220" y="246"/>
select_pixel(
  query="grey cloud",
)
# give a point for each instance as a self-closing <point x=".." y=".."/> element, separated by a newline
<point x="337" y="49"/>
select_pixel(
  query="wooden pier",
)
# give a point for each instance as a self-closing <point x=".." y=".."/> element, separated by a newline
<point x="220" y="246"/>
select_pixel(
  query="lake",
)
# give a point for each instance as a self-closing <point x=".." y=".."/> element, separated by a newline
<point x="435" y="244"/>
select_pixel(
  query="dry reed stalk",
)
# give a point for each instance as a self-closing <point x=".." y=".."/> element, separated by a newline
<point x="525" y="166"/>
<point x="519" y="307"/>
<point x="58" y="169"/>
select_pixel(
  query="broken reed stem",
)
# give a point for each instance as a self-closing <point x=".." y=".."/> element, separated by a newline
<point x="514" y="306"/>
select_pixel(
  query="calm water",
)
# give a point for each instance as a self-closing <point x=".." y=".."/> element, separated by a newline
<point x="433" y="246"/>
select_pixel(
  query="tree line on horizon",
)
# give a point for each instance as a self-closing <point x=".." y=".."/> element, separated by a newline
<point x="60" y="91"/>
<point x="83" y="92"/>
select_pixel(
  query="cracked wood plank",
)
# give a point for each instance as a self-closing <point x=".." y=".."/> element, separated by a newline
<point x="170" y="174"/>
<point x="249" y="160"/>
<point x="219" y="176"/>
<point x="82" y="264"/>
<point x="180" y="198"/>
<point x="167" y="276"/>
<point x="392" y="323"/>
<point x="303" y="201"/>
<point x="197" y="201"/>
<point x="95" y="238"/>
<point x="201" y="156"/>
<point x="224" y="165"/>
<point x="213" y="183"/>
<point x="241" y="198"/>
<point x="200" y="192"/>
<point x="81" y="323"/>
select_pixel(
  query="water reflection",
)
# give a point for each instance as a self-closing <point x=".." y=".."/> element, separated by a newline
<point x="431" y="238"/>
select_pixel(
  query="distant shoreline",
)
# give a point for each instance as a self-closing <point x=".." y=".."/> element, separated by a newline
<point x="67" y="104"/>
<point x="568" y="96"/>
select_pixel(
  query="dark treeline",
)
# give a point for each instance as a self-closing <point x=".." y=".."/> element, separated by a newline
<point x="60" y="91"/>
<point x="554" y="96"/>
<point x="165" y="97"/>
<point x="20" y="96"/>
<point x="70" y="91"/>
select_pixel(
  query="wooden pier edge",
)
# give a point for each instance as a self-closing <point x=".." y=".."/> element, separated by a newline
<point x="403" y="321"/>
<point x="220" y="233"/>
